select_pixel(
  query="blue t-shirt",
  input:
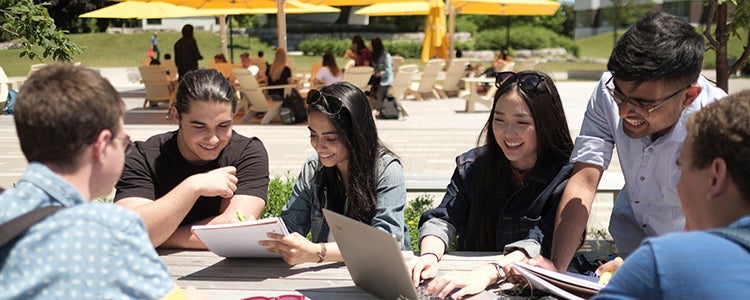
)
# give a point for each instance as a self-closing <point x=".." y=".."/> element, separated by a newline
<point x="690" y="265"/>
<point x="84" y="251"/>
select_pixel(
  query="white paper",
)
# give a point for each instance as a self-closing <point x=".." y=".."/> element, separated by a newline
<point x="562" y="285"/>
<point x="240" y="239"/>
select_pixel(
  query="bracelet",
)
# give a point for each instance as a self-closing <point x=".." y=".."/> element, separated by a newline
<point x="430" y="253"/>
<point x="499" y="270"/>
<point x="322" y="253"/>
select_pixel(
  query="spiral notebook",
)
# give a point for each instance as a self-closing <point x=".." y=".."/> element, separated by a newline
<point x="240" y="239"/>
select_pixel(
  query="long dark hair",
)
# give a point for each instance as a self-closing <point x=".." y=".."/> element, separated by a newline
<point x="554" y="146"/>
<point x="205" y="85"/>
<point x="377" y="49"/>
<point x="330" y="62"/>
<point x="357" y="132"/>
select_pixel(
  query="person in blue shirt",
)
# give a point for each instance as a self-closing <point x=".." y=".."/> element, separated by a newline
<point x="714" y="189"/>
<point x="69" y="122"/>
<point x="351" y="173"/>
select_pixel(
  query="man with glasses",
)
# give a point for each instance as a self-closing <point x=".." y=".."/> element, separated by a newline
<point x="640" y="105"/>
<point x="70" y="126"/>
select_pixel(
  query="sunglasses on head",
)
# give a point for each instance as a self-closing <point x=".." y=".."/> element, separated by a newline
<point x="330" y="102"/>
<point x="528" y="82"/>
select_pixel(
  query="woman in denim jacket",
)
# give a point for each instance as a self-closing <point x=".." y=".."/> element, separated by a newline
<point x="352" y="173"/>
<point x="503" y="195"/>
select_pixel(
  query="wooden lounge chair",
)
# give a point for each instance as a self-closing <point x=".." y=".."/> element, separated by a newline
<point x="456" y="71"/>
<point x="157" y="86"/>
<point x="426" y="87"/>
<point x="359" y="76"/>
<point x="253" y="99"/>
<point x="402" y="82"/>
<point x="398" y="61"/>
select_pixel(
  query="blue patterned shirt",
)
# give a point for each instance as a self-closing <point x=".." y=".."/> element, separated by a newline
<point x="85" y="251"/>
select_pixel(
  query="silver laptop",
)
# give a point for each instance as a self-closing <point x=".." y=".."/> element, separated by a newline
<point x="374" y="260"/>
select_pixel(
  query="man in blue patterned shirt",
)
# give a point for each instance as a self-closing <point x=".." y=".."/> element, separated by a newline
<point x="69" y="122"/>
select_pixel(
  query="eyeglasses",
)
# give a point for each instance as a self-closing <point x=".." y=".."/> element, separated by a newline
<point x="528" y="82"/>
<point x="621" y="99"/>
<point x="280" y="297"/>
<point x="331" y="103"/>
<point x="128" y="143"/>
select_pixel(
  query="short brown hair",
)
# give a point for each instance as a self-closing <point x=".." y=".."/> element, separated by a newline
<point x="722" y="129"/>
<point x="61" y="109"/>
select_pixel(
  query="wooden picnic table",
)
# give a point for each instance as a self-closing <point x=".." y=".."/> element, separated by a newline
<point x="222" y="278"/>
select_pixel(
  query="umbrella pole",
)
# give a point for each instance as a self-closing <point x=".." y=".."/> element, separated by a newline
<point x="223" y="34"/>
<point x="281" y="25"/>
<point x="451" y="28"/>
<point x="231" y="41"/>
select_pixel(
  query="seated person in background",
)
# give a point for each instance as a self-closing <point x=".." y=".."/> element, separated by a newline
<point x="714" y="190"/>
<point x="278" y="74"/>
<point x="85" y="250"/>
<point x="329" y="73"/>
<point x="352" y="173"/>
<point x="219" y="58"/>
<point x="513" y="182"/>
<point x="200" y="174"/>
<point x="247" y="63"/>
<point x="358" y="52"/>
<point x="221" y="64"/>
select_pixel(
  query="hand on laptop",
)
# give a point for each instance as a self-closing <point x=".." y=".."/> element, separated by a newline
<point x="422" y="267"/>
<point x="467" y="283"/>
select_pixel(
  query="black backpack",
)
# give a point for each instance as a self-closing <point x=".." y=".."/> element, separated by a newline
<point x="293" y="109"/>
<point x="389" y="110"/>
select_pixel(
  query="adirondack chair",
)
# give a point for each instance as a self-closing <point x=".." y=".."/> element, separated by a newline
<point x="398" y="61"/>
<point x="359" y="76"/>
<point x="401" y="83"/>
<point x="157" y="86"/>
<point x="456" y="71"/>
<point x="252" y="98"/>
<point x="426" y="87"/>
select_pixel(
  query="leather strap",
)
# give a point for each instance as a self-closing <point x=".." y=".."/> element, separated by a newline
<point x="18" y="225"/>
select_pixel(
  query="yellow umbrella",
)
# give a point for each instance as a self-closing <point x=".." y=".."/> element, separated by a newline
<point x="435" y="40"/>
<point x="475" y="7"/>
<point x="140" y="10"/>
<point x="216" y="7"/>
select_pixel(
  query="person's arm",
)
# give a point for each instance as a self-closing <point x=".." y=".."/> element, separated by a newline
<point x="476" y="280"/>
<point x="163" y="216"/>
<point x="573" y="213"/>
<point x="391" y="201"/>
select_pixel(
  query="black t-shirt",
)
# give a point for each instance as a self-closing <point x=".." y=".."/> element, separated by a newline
<point x="156" y="166"/>
<point x="283" y="79"/>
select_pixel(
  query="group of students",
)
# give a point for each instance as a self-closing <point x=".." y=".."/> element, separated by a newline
<point x="525" y="190"/>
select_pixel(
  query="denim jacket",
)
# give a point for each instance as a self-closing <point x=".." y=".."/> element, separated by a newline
<point x="529" y="214"/>
<point x="303" y="213"/>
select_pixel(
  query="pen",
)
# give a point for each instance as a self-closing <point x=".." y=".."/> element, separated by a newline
<point x="240" y="216"/>
<point x="606" y="276"/>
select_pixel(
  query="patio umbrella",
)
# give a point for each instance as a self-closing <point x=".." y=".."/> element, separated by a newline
<point x="140" y="10"/>
<point x="435" y="42"/>
<point x="264" y="6"/>
<point x="477" y="7"/>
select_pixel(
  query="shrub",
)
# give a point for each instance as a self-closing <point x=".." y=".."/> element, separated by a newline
<point x="404" y="48"/>
<point x="412" y="213"/>
<point x="318" y="45"/>
<point x="279" y="190"/>
<point x="524" y="37"/>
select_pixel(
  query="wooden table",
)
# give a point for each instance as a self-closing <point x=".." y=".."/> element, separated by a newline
<point x="221" y="278"/>
<point x="474" y="97"/>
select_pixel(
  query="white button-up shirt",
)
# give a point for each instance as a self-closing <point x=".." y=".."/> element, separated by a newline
<point x="649" y="205"/>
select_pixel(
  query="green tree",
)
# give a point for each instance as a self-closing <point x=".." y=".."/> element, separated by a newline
<point x="626" y="12"/>
<point x="727" y="23"/>
<point x="65" y="13"/>
<point x="31" y="25"/>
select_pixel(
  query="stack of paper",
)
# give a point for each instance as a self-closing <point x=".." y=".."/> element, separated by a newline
<point x="567" y="286"/>
<point x="240" y="239"/>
